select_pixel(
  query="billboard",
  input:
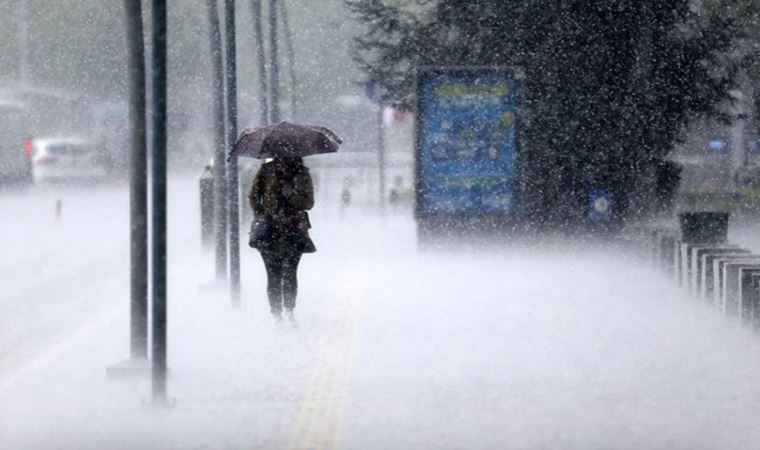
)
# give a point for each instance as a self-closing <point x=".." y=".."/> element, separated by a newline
<point x="466" y="142"/>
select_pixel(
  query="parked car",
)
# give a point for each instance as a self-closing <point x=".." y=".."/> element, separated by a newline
<point x="67" y="159"/>
<point x="15" y="164"/>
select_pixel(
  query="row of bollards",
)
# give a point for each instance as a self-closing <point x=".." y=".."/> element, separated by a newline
<point x="697" y="256"/>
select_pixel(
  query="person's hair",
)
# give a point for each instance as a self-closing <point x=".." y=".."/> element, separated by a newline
<point x="289" y="165"/>
<point x="292" y="161"/>
<point x="288" y="158"/>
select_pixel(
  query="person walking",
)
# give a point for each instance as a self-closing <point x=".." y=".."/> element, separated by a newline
<point x="280" y="197"/>
<point x="281" y="194"/>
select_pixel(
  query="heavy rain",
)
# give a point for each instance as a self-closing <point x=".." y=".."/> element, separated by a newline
<point x="375" y="224"/>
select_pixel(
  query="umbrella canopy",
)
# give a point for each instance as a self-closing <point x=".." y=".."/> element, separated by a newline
<point x="285" y="140"/>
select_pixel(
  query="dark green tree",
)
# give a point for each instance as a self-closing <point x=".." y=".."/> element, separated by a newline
<point x="608" y="85"/>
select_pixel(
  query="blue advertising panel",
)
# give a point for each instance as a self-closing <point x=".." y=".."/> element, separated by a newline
<point x="466" y="143"/>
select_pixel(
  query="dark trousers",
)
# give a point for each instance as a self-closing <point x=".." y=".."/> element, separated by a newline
<point x="282" y="282"/>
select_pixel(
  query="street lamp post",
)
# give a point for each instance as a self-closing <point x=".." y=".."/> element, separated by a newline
<point x="381" y="156"/>
<point x="138" y="194"/>
<point x="261" y="60"/>
<point x="232" y="166"/>
<point x="274" y="75"/>
<point x="158" y="169"/>
<point x="373" y="91"/>
<point x="138" y="363"/>
<point x="220" y="169"/>
<point x="23" y="46"/>
<point x="291" y="60"/>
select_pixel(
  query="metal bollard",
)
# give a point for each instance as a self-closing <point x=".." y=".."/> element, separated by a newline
<point x="746" y="294"/>
<point x="206" y="189"/>
<point x="710" y="275"/>
<point x="702" y="262"/>
<point x="732" y="283"/>
<point x="693" y="266"/>
<point x="722" y="284"/>
<point x="755" y="301"/>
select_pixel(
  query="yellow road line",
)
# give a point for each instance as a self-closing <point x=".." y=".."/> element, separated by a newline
<point x="322" y="413"/>
<point x="341" y="417"/>
<point x="339" y="386"/>
<point x="306" y="405"/>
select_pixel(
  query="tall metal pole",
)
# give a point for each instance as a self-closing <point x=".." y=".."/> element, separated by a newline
<point x="232" y="166"/>
<point x="261" y="60"/>
<point x="138" y="193"/>
<point x="274" y="69"/>
<point x="220" y="169"/>
<point x="381" y="155"/>
<point x="291" y="60"/>
<point x="158" y="167"/>
<point x="23" y="47"/>
<point x="645" y="164"/>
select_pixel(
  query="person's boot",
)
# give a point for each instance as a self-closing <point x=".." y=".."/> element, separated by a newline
<point x="278" y="319"/>
<point x="291" y="318"/>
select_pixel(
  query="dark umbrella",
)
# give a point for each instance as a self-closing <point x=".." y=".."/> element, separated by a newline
<point x="285" y="140"/>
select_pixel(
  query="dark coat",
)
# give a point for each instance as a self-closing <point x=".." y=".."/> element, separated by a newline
<point x="284" y="195"/>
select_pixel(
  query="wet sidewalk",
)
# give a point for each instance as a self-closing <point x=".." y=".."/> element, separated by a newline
<point x="396" y="348"/>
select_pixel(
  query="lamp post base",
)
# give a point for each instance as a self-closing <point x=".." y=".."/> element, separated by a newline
<point x="130" y="369"/>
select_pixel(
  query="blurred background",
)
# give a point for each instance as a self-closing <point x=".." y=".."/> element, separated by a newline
<point x="63" y="72"/>
<point x="689" y="76"/>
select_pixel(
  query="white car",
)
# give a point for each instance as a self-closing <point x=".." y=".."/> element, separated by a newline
<point x="67" y="159"/>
